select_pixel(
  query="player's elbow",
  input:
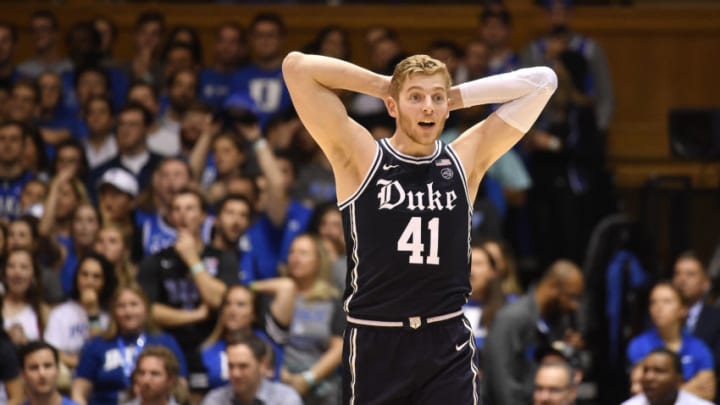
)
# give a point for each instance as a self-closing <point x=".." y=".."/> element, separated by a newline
<point x="292" y="64"/>
<point x="547" y="78"/>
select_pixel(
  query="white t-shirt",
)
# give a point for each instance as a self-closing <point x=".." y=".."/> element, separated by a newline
<point x="28" y="320"/>
<point x="684" y="398"/>
<point x="68" y="327"/>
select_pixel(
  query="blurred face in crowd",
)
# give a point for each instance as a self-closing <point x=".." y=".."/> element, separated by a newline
<point x="243" y="186"/>
<point x="233" y="220"/>
<point x="19" y="273"/>
<point x="171" y="177"/>
<point x="229" y="47"/>
<point x="446" y="56"/>
<point x="98" y="117"/>
<point x="331" y="226"/>
<point x="382" y="52"/>
<point x="90" y="84"/>
<point x="666" y="307"/>
<point x="238" y="312"/>
<point x="182" y="91"/>
<point x="66" y="202"/>
<point x="476" y="59"/>
<point x="144" y="96"/>
<point x="86" y="225"/>
<point x="7" y="46"/>
<point x="148" y="35"/>
<point x="131" y="132"/>
<point x="33" y="193"/>
<point x="11" y="145"/>
<point x="303" y="260"/>
<point x="50" y="90"/>
<point x="115" y="204"/>
<point x="69" y="157"/>
<point x="191" y="127"/>
<point x="152" y="379"/>
<point x="187" y="213"/>
<point x="90" y="276"/>
<point x="40" y="373"/>
<point x="495" y="32"/>
<point x="660" y="381"/>
<point x="552" y="386"/>
<point x="130" y="312"/>
<point x="228" y="157"/>
<point x="689" y="277"/>
<point x="333" y="45"/>
<point x="22" y="103"/>
<point x="245" y="370"/>
<point x="178" y="58"/>
<point x="107" y="39"/>
<point x="266" y="41"/>
<point x="481" y="271"/>
<point x="111" y="244"/>
<point x="44" y="33"/>
<point x="20" y="236"/>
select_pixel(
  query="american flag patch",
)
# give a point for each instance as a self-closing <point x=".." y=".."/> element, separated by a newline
<point x="443" y="162"/>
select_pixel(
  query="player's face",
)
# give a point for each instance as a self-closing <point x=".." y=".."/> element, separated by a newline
<point x="551" y="387"/>
<point x="40" y="372"/>
<point x="659" y="381"/>
<point x="422" y="108"/>
<point x="152" y="380"/>
<point x="238" y="310"/>
<point x="130" y="312"/>
<point x="245" y="370"/>
<point x="302" y="260"/>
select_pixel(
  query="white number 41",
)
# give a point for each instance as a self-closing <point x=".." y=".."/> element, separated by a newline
<point x="411" y="241"/>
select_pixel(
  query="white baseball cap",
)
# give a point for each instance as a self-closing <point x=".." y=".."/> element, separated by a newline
<point x="120" y="179"/>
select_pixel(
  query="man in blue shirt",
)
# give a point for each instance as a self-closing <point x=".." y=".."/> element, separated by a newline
<point x="40" y="371"/>
<point x="12" y="175"/>
<point x="263" y="79"/>
<point x="230" y="56"/>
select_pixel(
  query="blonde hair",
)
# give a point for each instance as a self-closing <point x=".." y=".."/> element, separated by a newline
<point x="417" y="64"/>
<point x="124" y="270"/>
<point x="322" y="288"/>
<point x="219" y="330"/>
<point x="113" y="328"/>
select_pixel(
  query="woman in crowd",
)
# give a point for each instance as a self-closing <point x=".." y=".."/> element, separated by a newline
<point x="85" y="315"/>
<point x="107" y="361"/>
<point x="667" y="312"/>
<point x="83" y="233"/>
<point x="23" y="311"/>
<point x="247" y="310"/>
<point x="505" y="265"/>
<point x="326" y="223"/>
<point x="112" y="243"/>
<point x="314" y="351"/>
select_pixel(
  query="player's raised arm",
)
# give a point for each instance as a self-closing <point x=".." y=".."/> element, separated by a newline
<point x="525" y="93"/>
<point x="311" y="80"/>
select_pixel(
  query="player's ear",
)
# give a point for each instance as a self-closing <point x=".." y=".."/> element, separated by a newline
<point x="391" y="106"/>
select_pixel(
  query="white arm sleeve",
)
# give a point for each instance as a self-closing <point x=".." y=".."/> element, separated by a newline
<point x="524" y="92"/>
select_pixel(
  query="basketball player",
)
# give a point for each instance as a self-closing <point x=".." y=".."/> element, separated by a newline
<point x="406" y="203"/>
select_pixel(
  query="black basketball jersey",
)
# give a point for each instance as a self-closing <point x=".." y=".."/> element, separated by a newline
<point x="407" y="230"/>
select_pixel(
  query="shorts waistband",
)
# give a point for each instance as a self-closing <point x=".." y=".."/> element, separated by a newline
<point x="413" y="322"/>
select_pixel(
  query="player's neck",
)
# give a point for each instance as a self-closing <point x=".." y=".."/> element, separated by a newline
<point x="407" y="146"/>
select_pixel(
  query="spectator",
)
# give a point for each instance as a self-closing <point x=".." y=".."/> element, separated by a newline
<point x="326" y="223"/>
<point x="100" y="145"/>
<point x="186" y="281"/>
<point x="115" y="247"/>
<point x="189" y="37"/>
<point x="667" y="312"/>
<point x="155" y="378"/>
<point x="315" y="182"/>
<point x="23" y="102"/>
<point x="234" y="213"/>
<point x="9" y="371"/>
<point x="107" y="361"/>
<point x="147" y="35"/>
<point x="44" y="32"/>
<point x="247" y="385"/>
<point x="449" y="52"/>
<point x="13" y="177"/>
<point x="534" y="320"/>
<point x="8" y="40"/>
<point x="133" y="122"/>
<point x="554" y="384"/>
<point x="40" y="374"/>
<point x="23" y="311"/>
<point x="247" y="311"/>
<point x="85" y="314"/>
<point x="495" y="29"/>
<point x="108" y="32"/>
<point x="314" y="352"/>
<point x="263" y="79"/>
<point x="662" y="380"/>
<point x="162" y="136"/>
<point x="54" y="121"/>
<point x="32" y="196"/>
<point x="118" y="189"/>
<point x="505" y="265"/>
<point x="23" y="234"/>
<point x="230" y="55"/>
<point x="332" y="41"/>
<point x="181" y="91"/>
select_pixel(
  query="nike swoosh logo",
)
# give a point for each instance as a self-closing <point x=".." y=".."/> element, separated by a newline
<point x="388" y="167"/>
<point x="460" y="347"/>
